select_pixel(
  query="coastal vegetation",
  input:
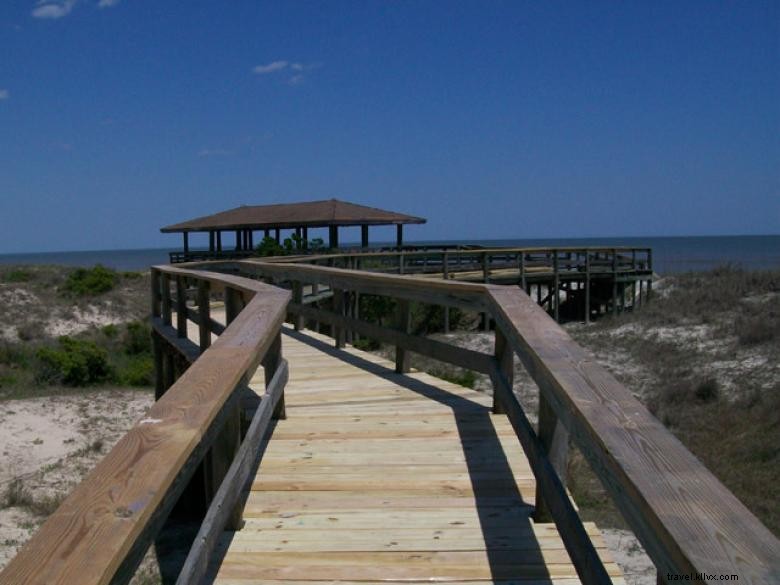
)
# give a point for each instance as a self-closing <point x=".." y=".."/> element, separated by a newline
<point x="68" y="328"/>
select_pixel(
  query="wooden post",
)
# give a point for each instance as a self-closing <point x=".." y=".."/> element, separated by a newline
<point x="505" y="368"/>
<point x="239" y="240"/>
<point x="232" y="304"/>
<point x="404" y="321"/>
<point x="277" y="235"/>
<point x="212" y="239"/>
<point x="649" y="280"/>
<point x="219" y="240"/>
<point x="297" y="290"/>
<point x="587" y="287"/>
<point x="338" y="307"/>
<point x="186" y="236"/>
<point x="485" y="268"/>
<point x="521" y="267"/>
<point x="556" y="298"/>
<point x="204" y="315"/>
<point x="181" y="307"/>
<point x="169" y="369"/>
<point x="614" y="283"/>
<point x="333" y="237"/>
<point x="555" y="441"/>
<point x="364" y="236"/>
<point x="270" y="364"/>
<point x="155" y="293"/>
<point x="159" y="381"/>
<point x="399" y="235"/>
<point x="165" y="281"/>
<point x="400" y="262"/>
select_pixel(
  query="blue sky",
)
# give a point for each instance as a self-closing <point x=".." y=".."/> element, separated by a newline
<point x="492" y="119"/>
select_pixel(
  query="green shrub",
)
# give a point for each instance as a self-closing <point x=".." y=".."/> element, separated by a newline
<point x="139" y="371"/>
<point x="18" y="275"/>
<point x="376" y="309"/>
<point x="76" y="363"/>
<point x="110" y="330"/>
<point x="137" y="339"/>
<point x="269" y="247"/>
<point x="90" y="281"/>
<point x="14" y="355"/>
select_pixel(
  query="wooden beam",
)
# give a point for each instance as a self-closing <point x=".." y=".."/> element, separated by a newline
<point x="399" y="235"/>
<point x="364" y="236"/>
<point x="505" y="369"/>
<point x="186" y="238"/>
<point x="554" y="440"/>
<point x="404" y="325"/>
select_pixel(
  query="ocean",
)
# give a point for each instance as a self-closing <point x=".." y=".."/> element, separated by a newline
<point x="670" y="254"/>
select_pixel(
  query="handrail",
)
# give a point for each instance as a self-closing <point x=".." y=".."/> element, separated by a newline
<point x="102" y="529"/>
<point x="684" y="517"/>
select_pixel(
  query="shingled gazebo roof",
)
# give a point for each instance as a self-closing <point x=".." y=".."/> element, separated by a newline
<point x="330" y="212"/>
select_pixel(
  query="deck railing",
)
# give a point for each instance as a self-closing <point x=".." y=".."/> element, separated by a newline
<point x="104" y="527"/>
<point x="685" y="518"/>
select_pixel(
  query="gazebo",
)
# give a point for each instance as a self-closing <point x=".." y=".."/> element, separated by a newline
<point x="248" y="219"/>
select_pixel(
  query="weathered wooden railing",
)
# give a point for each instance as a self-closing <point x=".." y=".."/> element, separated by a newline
<point x="686" y="519"/>
<point x="627" y="273"/>
<point x="105" y="526"/>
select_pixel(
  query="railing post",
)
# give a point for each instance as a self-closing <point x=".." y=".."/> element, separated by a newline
<point x="587" y="287"/>
<point x="505" y="368"/>
<point x="181" y="307"/>
<point x="165" y="282"/>
<point x="405" y="326"/>
<point x="614" y="283"/>
<point x="204" y="315"/>
<point x="521" y="268"/>
<point x="445" y="262"/>
<point x="159" y="381"/>
<point x="232" y="304"/>
<point x="649" y="294"/>
<point x="555" y="441"/>
<point x="338" y="307"/>
<point x="556" y="298"/>
<point x="297" y="290"/>
<point x="270" y="364"/>
<point x="155" y="298"/>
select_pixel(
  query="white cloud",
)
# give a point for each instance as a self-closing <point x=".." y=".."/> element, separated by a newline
<point x="271" y="67"/>
<point x="295" y="80"/>
<point x="296" y="66"/>
<point x="108" y="3"/>
<point x="53" y="9"/>
<point x="4" y="94"/>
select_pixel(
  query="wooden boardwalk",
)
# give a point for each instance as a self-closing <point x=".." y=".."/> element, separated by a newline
<point x="380" y="477"/>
